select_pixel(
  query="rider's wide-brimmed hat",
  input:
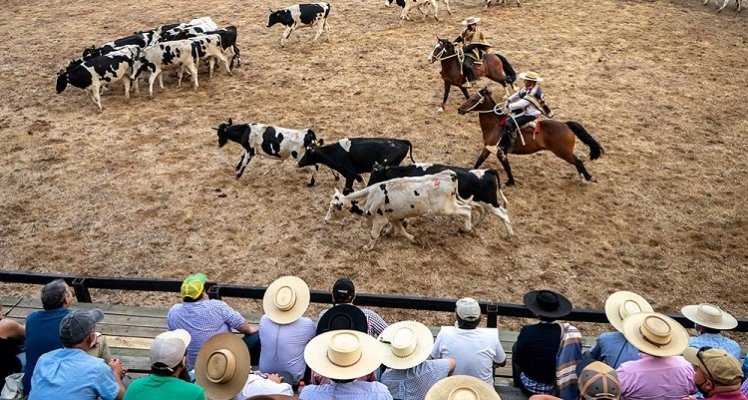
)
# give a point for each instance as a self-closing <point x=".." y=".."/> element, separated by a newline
<point x="710" y="316"/>
<point x="530" y="76"/>
<point x="623" y="303"/>
<point x="408" y="343"/>
<point x="286" y="299"/>
<point x="471" y="21"/>
<point x="655" y="334"/>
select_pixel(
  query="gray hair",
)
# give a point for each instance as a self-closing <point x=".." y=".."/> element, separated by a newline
<point x="53" y="294"/>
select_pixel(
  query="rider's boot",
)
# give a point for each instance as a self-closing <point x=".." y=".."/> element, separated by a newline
<point x="505" y="142"/>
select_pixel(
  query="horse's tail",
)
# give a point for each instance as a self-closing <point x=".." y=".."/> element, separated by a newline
<point x="511" y="75"/>
<point x="595" y="149"/>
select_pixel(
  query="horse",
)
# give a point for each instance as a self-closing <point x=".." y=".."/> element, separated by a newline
<point x="494" y="67"/>
<point x="556" y="136"/>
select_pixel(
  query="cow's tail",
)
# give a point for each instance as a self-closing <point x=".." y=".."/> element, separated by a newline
<point x="499" y="192"/>
<point x="410" y="150"/>
<point x="329" y="7"/>
<point x="62" y="81"/>
<point x="595" y="149"/>
<point x="511" y="74"/>
<point x="237" y="56"/>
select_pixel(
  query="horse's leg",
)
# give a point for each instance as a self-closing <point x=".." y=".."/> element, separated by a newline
<point x="447" y="87"/>
<point x="566" y="153"/>
<point x="507" y="169"/>
<point x="481" y="158"/>
<point x="465" y="92"/>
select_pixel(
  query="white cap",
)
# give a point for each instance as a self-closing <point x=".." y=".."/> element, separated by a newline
<point x="468" y="309"/>
<point x="169" y="347"/>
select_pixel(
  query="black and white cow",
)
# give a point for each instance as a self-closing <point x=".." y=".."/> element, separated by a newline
<point x="352" y="157"/>
<point x="167" y="55"/>
<point x="267" y="141"/>
<point x="228" y="42"/>
<point x="140" y="39"/>
<point x="195" y="27"/>
<point x="91" y="74"/>
<point x="208" y="47"/>
<point x="301" y="16"/>
<point x="420" y="5"/>
<point x="479" y="186"/>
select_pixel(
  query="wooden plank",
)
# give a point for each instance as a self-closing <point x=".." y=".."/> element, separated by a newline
<point x="129" y="342"/>
<point x="9" y="303"/>
<point x="136" y="364"/>
<point x="107" y="308"/>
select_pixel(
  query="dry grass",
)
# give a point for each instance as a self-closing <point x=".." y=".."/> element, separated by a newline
<point x="132" y="191"/>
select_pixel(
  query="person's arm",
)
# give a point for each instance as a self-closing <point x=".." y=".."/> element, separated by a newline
<point x="500" y="356"/>
<point x="235" y="320"/>
<point x="247" y="329"/>
<point x="11" y="329"/>
<point x="112" y="388"/>
<point x="452" y="366"/>
<point x="595" y="353"/>
<point x="518" y="105"/>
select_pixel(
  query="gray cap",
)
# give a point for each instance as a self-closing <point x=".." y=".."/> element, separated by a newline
<point x="169" y="348"/>
<point x="468" y="309"/>
<point x="78" y="324"/>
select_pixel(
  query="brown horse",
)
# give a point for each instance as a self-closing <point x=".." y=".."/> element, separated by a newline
<point x="494" y="67"/>
<point x="556" y="136"/>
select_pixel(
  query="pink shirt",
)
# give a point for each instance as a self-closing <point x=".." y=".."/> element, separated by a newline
<point x="729" y="396"/>
<point x="656" y="378"/>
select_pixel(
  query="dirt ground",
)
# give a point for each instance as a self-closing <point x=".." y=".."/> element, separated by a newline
<point x="134" y="191"/>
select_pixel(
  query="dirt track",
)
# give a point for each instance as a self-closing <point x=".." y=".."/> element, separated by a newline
<point x="133" y="191"/>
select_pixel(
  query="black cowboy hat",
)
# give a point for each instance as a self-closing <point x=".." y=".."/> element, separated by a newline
<point x="343" y="316"/>
<point x="548" y="304"/>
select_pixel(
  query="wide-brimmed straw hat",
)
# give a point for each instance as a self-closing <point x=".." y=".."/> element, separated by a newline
<point x="462" y="387"/>
<point x="530" y="76"/>
<point x="710" y="316"/>
<point x="286" y="299"/>
<point x="344" y="354"/>
<point x="222" y="366"/>
<point x="341" y="317"/>
<point x="545" y="303"/>
<point x="655" y="334"/>
<point x="621" y="304"/>
<point x="471" y="21"/>
<point x="408" y="343"/>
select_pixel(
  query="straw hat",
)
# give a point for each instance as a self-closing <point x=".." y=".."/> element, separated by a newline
<point x="343" y="354"/>
<point x="655" y="334"/>
<point x="409" y="344"/>
<point x="530" y="76"/>
<point x="621" y="304"/>
<point x="471" y="21"/>
<point x="545" y="303"/>
<point x="710" y="316"/>
<point x="286" y="299"/>
<point x="222" y="366"/>
<point x="462" y="387"/>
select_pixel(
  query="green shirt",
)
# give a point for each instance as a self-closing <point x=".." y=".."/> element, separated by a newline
<point x="154" y="387"/>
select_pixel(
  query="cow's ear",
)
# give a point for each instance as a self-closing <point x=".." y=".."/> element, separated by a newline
<point x="320" y="142"/>
<point x="231" y="122"/>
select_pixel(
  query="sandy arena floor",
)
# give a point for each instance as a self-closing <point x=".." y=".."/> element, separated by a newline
<point x="133" y="191"/>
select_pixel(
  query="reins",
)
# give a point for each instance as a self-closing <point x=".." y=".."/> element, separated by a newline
<point x="496" y="110"/>
<point x="457" y="53"/>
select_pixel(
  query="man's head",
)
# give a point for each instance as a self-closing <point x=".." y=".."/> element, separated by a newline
<point x="56" y="294"/>
<point x="599" y="381"/>
<point x="168" y="352"/>
<point x="343" y="291"/>
<point x="193" y="288"/>
<point x="530" y="78"/>
<point x="78" y="328"/>
<point x="716" y="371"/>
<point x="468" y="313"/>
<point x="471" y="23"/>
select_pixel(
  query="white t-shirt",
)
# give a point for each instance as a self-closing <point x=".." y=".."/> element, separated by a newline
<point x="474" y="350"/>
<point x="258" y="385"/>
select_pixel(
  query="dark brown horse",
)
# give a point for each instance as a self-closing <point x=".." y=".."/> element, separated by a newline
<point x="556" y="136"/>
<point x="494" y="67"/>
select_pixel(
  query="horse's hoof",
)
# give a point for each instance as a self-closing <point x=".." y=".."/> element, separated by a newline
<point x="510" y="183"/>
<point x="440" y="110"/>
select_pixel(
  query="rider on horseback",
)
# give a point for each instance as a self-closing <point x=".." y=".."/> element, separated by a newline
<point x="473" y="46"/>
<point x="523" y="107"/>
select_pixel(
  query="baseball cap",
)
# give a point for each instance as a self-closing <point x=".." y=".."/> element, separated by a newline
<point x="169" y="348"/>
<point x="78" y="324"/>
<point x="343" y="290"/>
<point x="599" y="381"/>
<point x="193" y="286"/>
<point x="468" y="309"/>
<point x="719" y="365"/>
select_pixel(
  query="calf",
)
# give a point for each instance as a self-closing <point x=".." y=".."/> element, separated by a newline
<point x="352" y="157"/>
<point x="167" y="55"/>
<point x="421" y="5"/>
<point x="394" y="200"/>
<point x="91" y="74"/>
<point x="228" y="41"/>
<point x="139" y="39"/>
<point x="724" y="4"/>
<point x="300" y="16"/>
<point x="208" y="47"/>
<point x="268" y="141"/>
<point x="481" y="186"/>
<point x="197" y="26"/>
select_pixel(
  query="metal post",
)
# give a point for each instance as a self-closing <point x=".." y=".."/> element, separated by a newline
<point x="492" y="310"/>
<point x="81" y="290"/>
<point x="214" y="292"/>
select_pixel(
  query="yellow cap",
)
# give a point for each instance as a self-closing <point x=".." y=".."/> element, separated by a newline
<point x="193" y="286"/>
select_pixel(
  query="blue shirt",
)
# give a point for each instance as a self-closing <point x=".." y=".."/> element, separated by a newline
<point x="414" y="383"/>
<point x="71" y="374"/>
<point x="355" y="390"/>
<point x="717" y="341"/>
<point x="42" y="336"/>
<point x="613" y="349"/>
<point x="282" y="346"/>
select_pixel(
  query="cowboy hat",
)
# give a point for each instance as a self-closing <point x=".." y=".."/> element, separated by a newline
<point x="621" y="304"/>
<point x="408" y="343"/>
<point x="222" y="366"/>
<point x="471" y="21"/>
<point x="462" y="387"/>
<point x="710" y="316"/>
<point x="545" y="303"/>
<point x="286" y="299"/>
<point x="655" y="334"/>
<point x="343" y="354"/>
<point x="343" y="316"/>
<point x="530" y="76"/>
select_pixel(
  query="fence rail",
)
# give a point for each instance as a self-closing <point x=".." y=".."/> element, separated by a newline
<point x="82" y="284"/>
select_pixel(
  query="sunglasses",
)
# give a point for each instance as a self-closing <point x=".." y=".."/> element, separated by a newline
<point x="703" y="364"/>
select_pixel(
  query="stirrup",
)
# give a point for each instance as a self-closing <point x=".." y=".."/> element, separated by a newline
<point x="467" y="84"/>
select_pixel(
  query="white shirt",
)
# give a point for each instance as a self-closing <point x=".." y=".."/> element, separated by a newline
<point x="258" y="385"/>
<point x="283" y="346"/>
<point x="474" y="350"/>
<point x="356" y="390"/>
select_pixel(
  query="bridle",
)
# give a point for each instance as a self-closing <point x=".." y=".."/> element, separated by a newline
<point x="457" y="53"/>
<point x="494" y="110"/>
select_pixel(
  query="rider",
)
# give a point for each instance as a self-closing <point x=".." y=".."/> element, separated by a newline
<point x="473" y="46"/>
<point x="524" y="106"/>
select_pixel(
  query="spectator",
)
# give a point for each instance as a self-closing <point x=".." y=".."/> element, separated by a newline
<point x="597" y="381"/>
<point x="612" y="347"/>
<point x="411" y="375"/>
<point x="12" y="335"/>
<point x="661" y="373"/>
<point x="222" y="366"/>
<point x="460" y="387"/>
<point x="168" y="378"/>
<point x="343" y="292"/>
<point x="344" y="355"/>
<point x="744" y="388"/>
<point x="70" y="373"/>
<point x="545" y="355"/>
<point x="717" y="373"/>
<point x="283" y="331"/>
<point x="474" y="350"/>
<point x="709" y="321"/>
<point x="204" y="318"/>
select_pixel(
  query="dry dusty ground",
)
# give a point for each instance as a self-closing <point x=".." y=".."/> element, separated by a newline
<point x="133" y="191"/>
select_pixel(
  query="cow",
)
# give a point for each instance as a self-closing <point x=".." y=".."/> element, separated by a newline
<point x="267" y="141"/>
<point x="482" y="186"/>
<point x="167" y="55"/>
<point x="352" y="157"/>
<point x="724" y="4"/>
<point x="228" y="41"/>
<point x="139" y="39"/>
<point x="91" y="74"/>
<point x="207" y="47"/>
<point x="197" y="26"/>
<point x="488" y="3"/>
<point x="394" y="200"/>
<point x="301" y="16"/>
<point x="420" y="5"/>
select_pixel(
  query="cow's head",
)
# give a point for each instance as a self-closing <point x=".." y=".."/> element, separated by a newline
<point x="90" y="52"/>
<point x="62" y="81"/>
<point x="311" y="139"/>
<point x="311" y="155"/>
<point x="336" y="207"/>
<point x="280" y="16"/>
<point x="223" y="134"/>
